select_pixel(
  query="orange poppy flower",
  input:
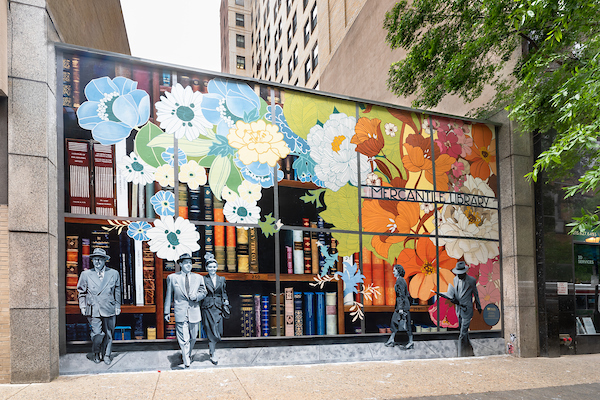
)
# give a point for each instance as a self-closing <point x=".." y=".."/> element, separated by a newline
<point x="415" y="160"/>
<point x="483" y="152"/>
<point x="421" y="264"/>
<point x="368" y="138"/>
<point x="389" y="217"/>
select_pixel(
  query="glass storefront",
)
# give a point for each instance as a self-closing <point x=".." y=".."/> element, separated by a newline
<point x="305" y="200"/>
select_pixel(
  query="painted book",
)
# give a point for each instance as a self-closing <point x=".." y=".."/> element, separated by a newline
<point x="378" y="280"/>
<point x="367" y="272"/>
<point x="257" y="320"/>
<point x="265" y="327"/>
<point x="195" y="203"/>
<point x="208" y="216"/>
<point x="321" y="312"/>
<point x="289" y="311"/>
<point x="273" y="314"/>
<point x="78" y="159"/>
<point x="314" y="250"/>
<point x="72" y="269"/>
<point x="253" y="249"/>
<point x="242" y="246"/>
<point x="85" y="254"/>
<point x="306" y="247"/>
<point x="309" y="313"/>
<point x="389" y="282"/>
<point x="247" y="311"/>
<point x="298" y="315"/>
<point x="298" y="252"/>
<point x="219" y="234"/>
<point x="230" y="245"/>
<point x="331" y="313"/>
<point x="139" y="272"/>
<point x="148" y="273"/>
<point x="104" y="187"/>
<point x="183" y="200"/>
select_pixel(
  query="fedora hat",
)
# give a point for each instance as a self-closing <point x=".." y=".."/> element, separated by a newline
<point x="460" y="268"/>
<point x="98" y="252"/>
<point x="184" y="256"/>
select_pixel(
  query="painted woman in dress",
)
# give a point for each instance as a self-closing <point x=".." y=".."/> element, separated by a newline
<point x="401" y="317"/>
<point x="212" y="305"/>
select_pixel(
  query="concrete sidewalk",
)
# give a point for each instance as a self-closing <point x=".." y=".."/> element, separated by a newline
<point x="505" y="375"/>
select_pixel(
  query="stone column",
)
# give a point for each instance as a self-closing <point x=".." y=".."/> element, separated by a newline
<point x="519" y="284"/>
<point x="32" y="193"/>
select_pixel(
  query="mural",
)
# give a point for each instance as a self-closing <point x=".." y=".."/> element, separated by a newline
<point x="421" y="190"/>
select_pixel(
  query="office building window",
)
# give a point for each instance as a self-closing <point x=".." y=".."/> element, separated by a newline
<point x="241" y="62"/>
<point x="306" y="33"/>
<point x="313" y="17"/>
<point x="307" y="71"/>
<point x="316" y="86"/>
<point x="239" y="2"/>
<point x="305" y="2"/>
<point x="315" y="56"/>
<point x="289" y="38"/>
<point x="239" y="19"/>
<point x="290" y="69"/>
<point x="294" y="23"/>
<point x="295" y="57"/>
<point x="240" y="41"/>
<point x="289" y="6"/>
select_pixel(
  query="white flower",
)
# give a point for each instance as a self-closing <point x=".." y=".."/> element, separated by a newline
<point x="427" y="207"/>
<point x="470" y="223"/>
<point x="334" y="155"/>
<point x="373" y="179"/>
<point x="179" y="113"/>
<point x="165" y="175"/>
<point x="171" y="238"/>
<point x="242" y="211"/>
<point x="192" y="174"/>
<point x="250" y="191"/>
<point x="228" y="195"/>
<point x="136" y="170"/>
<point x="391" y="129"/>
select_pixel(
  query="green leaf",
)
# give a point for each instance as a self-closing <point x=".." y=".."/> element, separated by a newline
<point x="269" y="226"/>
<point x="151" y="156"/>
<point x="218" y="174"/>
<point x="313" y="196"/>
<point x="196" y="148"/>
<point x="235" y="178"/>
<point x="342" y="212"/>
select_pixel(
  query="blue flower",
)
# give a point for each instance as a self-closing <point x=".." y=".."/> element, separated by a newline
<point x="169" y="156"/>
<point x="137" y="230"/>
<point x="258" y="173"/>
<point x="304" y="166"/>
<point x="296" y="144"/>
<point x="163" y="203"/>
<point x="113" y="109"/>
<point x="228" y="102"/>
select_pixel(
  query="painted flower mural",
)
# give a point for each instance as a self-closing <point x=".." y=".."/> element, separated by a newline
<point x="483" y="153"/>
<point x="163" y="203"/>
<point x="114" y="108"/>
<point x="258" y="142"/>
<point x="448" y="317"/>
<point x="240" y="210"/>
<point x="179" y="113"/>
<point x="334" y="154"/>
<point x="138" y="230"/>
<point x="136" y="170"/>
<point x="192" y="174"/>
<point x="170" y="238"/>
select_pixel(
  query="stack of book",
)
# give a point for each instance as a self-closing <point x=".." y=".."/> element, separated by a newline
<point x="302" y="253"/>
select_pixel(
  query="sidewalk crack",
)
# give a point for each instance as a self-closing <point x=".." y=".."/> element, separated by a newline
<point x="243" y="387"/>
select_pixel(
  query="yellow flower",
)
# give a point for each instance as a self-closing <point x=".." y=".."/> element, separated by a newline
<point x="258" y="141"/>
<point x="228" y="194"/>
<point x="165" y="175"/>
<point x="193" y="174"/>
<point x="250" y="191"/>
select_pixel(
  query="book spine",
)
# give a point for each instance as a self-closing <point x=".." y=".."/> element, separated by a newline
<point x="141" y="200"/>
<point x="230" y="248"/>
<point x="367" y="272"/>
<point x="78" y="159"/>
<point x="76" y="81"/>
<point x="183" y="200"/>
<point x="208" y="216"/>
<point x="134" y="199"/>
<point x="139" y="273"/>
<point x="378" y="280"/>
<point x="314" y="250"/>
<point x="247" y="309"/>
<point x="389" y="282"/>
<point x="242" y="250"/>
<point x="149" y="209"/>
<point x="149" y="268"/>
<point x="219" y="234"/>
<point x="333" y="250"/>
<point x="123" y="269"/>
<point x="264" y="316"/>
<point x="309" y="313"/>
<point x="289" y="257"/>
<point x="197" y="255"/>
<point x="195" y="204"/>
<point x="85" y="254"/>
<point x="306" y="247"/>
<point x="321" y="237"/>
<point x="289" y="311"/>
<point x="257" y="313"/>
<point x="122" y="187"/>
<point x="298" y="315"/>
<point x="331" y="312"/>
<point x="253" y="249"/>
<point x="321" y="326"/>
<point x="72" y="269"/>
<point x="298" y="252"/>
<point x="288" y="172"/>
<point x="67" y="82"/>
<point x="104" y="193"/>
<point x="356" y="263"/>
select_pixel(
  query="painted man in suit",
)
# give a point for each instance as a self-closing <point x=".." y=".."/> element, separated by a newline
<point x="461" y="293"/>
<point x="99" y="292"/>
<point x="186" y="289"/>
